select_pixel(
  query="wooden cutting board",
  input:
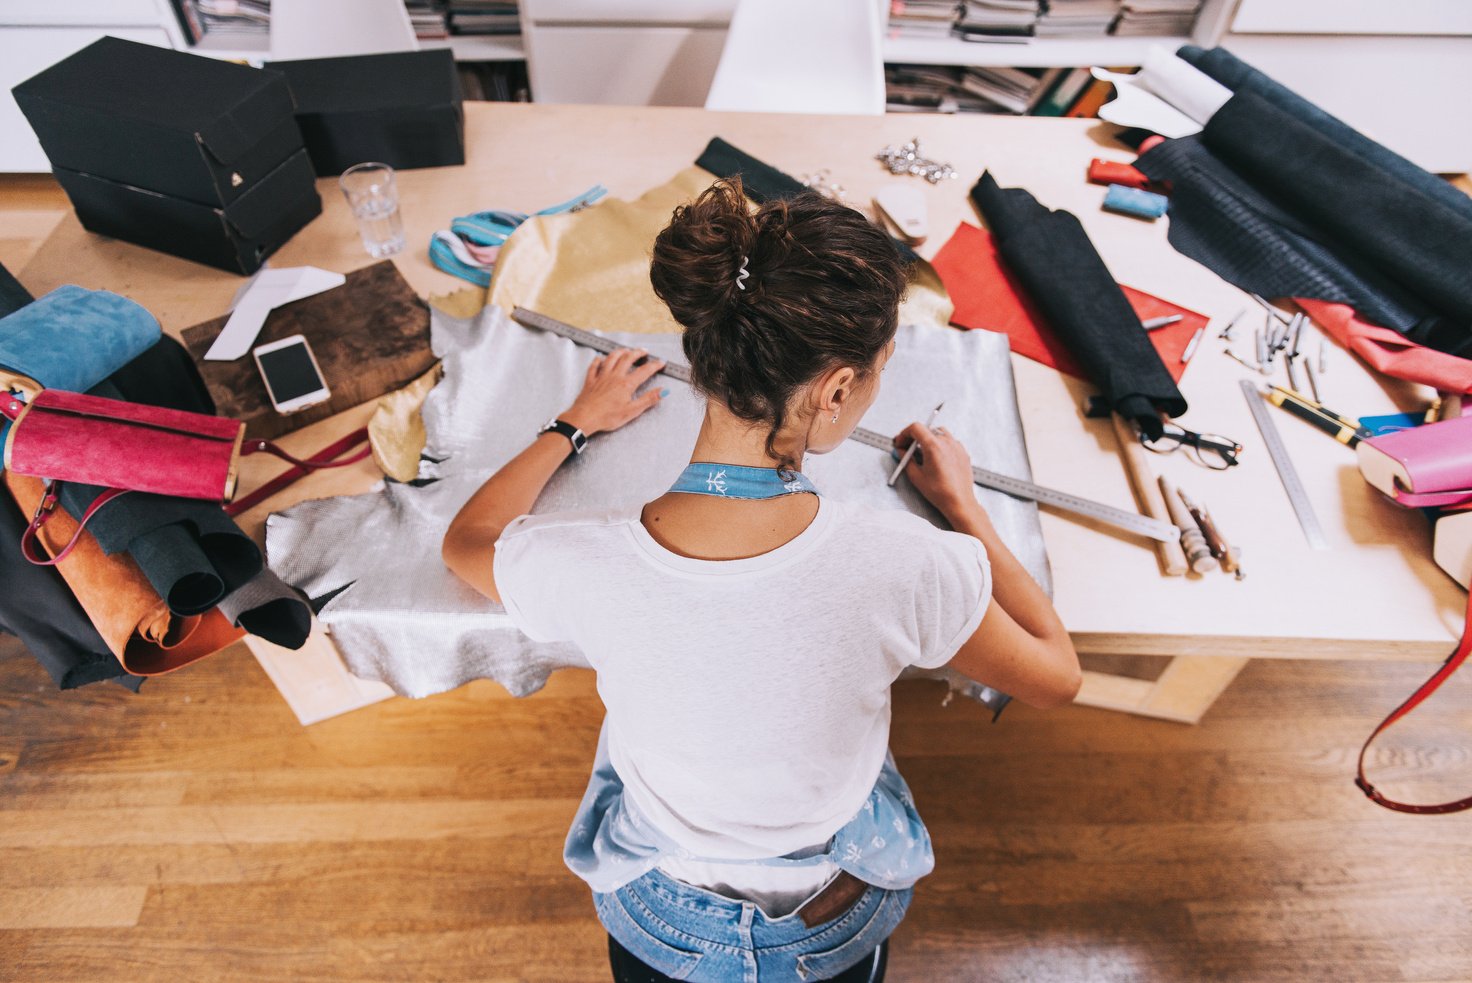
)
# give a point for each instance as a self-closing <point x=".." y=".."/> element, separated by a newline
<point x="370" y="336"/>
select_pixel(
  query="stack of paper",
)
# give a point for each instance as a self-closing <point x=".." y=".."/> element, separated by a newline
<point x="1077" y="18"/>
<point x="428" y="18"/>
<point x="922" y="18"/>
<point x="1015" y="90"/>
<point x="242" y="23"/>
<point x="484" y="17"/>
<point x="931" y="89"/>
<point x="1156" y="18"/>
<point x="997" y="19"/>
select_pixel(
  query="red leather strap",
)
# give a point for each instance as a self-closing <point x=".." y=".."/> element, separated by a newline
<point x="329" y="457"/>
<point x="10" y="406"/>
<point x="28" y="545"/>
<point x="1452" y="663"/>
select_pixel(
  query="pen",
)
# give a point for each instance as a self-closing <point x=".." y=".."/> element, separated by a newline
<point x="1331" y="425"/>
<point x="1314" y="404"/>
<point x="914" y="445"/>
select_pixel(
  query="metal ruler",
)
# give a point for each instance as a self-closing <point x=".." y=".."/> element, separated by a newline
<point x="1297" y="497"/>
<point x="1109" y="515"/>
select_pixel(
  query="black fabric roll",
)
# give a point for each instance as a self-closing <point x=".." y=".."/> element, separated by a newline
<point x="37" y="607"/>
<point x="191" y="551"/>
<point x="1416" y="239"/>
<point x="761" y="181"/>
<point x="12" y="295"/>
<point x="271" y="608"/>
<point x="1224" y="222"/>
<point x="1052" y="257"/>
<point x="1237" y="75"/>
<point x="1282" y="199"/>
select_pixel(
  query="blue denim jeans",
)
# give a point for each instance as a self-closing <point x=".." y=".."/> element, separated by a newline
<point x="689" y="933"/>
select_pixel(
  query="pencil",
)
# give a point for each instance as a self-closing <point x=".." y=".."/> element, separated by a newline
<point x="914" y="445"/>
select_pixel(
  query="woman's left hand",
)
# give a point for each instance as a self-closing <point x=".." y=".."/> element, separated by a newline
<point x="607" y="401"/>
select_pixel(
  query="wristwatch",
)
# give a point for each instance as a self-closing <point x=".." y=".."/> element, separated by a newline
<point x="572" y="433"/>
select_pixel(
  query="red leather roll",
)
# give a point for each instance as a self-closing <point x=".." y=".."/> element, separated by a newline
<point x="115" y="444"/>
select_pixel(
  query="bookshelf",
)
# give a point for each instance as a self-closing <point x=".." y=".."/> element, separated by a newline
<point x="1037" y="53"/>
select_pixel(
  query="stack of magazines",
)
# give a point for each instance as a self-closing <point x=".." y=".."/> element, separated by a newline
<point x="428" y="18"/>
<point x="484" y="17"/>
<point x="1014" y="90"/>
<point x="227" y="23"/>
<point x="931" y="89"/>
<point x="922" y="18"/>
<point x="1156" y="18"/>
<point x="1077" y="18"/>
<point x="995" y="20"/>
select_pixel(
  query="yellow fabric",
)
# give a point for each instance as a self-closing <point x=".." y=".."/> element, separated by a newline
<point x="591" y="268"/>
<point x="396" y="430"/>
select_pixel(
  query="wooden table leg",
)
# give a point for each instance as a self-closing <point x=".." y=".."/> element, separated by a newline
<point x="1189" y="685"/>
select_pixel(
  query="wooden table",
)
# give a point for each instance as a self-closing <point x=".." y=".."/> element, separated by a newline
<point x="1373" y="594"/>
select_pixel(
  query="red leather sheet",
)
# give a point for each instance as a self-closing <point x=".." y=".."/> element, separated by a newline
<point x="987" y="297"/>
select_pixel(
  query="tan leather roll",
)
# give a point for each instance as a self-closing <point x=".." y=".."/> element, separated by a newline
<point x="132" y="619"/>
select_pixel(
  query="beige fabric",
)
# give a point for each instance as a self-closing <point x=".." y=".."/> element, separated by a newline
<point x="396" y="431"/>
<point x="591" y="268"/>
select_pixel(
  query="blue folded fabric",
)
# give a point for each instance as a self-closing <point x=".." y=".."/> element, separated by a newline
<point x="74" y="338"/>
<point x="443" y="256"/>
<point x="491" y="228"/>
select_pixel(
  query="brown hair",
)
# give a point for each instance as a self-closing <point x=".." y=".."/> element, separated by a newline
<point x="823" y="292"/>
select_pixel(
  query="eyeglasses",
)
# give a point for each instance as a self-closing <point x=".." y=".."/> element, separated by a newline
<point x="1206" y="449"/>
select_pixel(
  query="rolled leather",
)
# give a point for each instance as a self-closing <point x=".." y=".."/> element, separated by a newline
<point x="127" y="612"/>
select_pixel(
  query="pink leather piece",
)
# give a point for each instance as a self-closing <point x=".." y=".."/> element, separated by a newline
<point x="1388" y="351"/>
<point x="1438" y="458"/>
<point x="75" y="437"/>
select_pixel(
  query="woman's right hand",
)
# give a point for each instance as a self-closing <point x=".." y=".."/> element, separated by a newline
<point x="940" y="469"/>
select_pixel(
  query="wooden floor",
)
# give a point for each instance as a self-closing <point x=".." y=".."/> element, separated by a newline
<point x="195" y="832"/>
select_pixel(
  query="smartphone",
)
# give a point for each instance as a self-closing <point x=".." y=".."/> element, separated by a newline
<point x="292" y="376"/>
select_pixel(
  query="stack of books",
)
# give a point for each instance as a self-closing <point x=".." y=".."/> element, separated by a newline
<point x="995" y="20"/>
<point x="227" y="23"/>
<point x="1014" y="90"/>
<point x="1070" y="92"/>
<point x="922" y="18"/>
<point x="1077" y="18"/>
<point x="428" y="18"/>
<point x="484" y="17"/>
<point x="931" y="89"/>
<point x="1156" y="18"/>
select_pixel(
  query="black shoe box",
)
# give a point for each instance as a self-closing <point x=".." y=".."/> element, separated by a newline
<point x="402" y="109"/>
<point x="236" y="237"/>
<point x="184" y="125"/>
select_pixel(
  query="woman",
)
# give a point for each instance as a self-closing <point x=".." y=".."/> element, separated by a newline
<point x="744" y="820"/>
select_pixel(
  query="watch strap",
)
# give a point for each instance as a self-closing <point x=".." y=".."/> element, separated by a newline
<point x="577" y="437"/>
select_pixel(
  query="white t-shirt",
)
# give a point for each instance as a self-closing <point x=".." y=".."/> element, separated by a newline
<point x="748" y="700"/>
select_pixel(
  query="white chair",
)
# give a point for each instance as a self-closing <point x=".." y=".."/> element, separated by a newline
<point x="802" y="56"/>
<point x="330" y="28"/>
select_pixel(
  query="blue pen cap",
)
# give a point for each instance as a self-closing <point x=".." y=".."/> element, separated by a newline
<point x="1133" y="201"/>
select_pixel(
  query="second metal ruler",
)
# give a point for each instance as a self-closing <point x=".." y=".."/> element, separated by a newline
<point x="1297" y="497"/>
<point x="1109" y="515"/>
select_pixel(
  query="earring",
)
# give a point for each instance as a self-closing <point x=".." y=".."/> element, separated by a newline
<point x="835" y="417"/>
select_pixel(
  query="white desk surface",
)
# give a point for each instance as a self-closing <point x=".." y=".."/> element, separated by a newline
<point x="1374" y="594"/>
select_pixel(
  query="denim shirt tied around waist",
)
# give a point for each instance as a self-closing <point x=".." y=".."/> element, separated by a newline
<point x="611" y="844"/>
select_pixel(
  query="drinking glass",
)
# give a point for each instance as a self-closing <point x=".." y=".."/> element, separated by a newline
<point x="374" y="199"/>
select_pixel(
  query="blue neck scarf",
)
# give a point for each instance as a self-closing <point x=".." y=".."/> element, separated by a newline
<point x="736" y="481"/>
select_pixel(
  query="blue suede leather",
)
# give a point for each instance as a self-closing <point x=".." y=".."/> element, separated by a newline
<point x="73" y="338"/>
